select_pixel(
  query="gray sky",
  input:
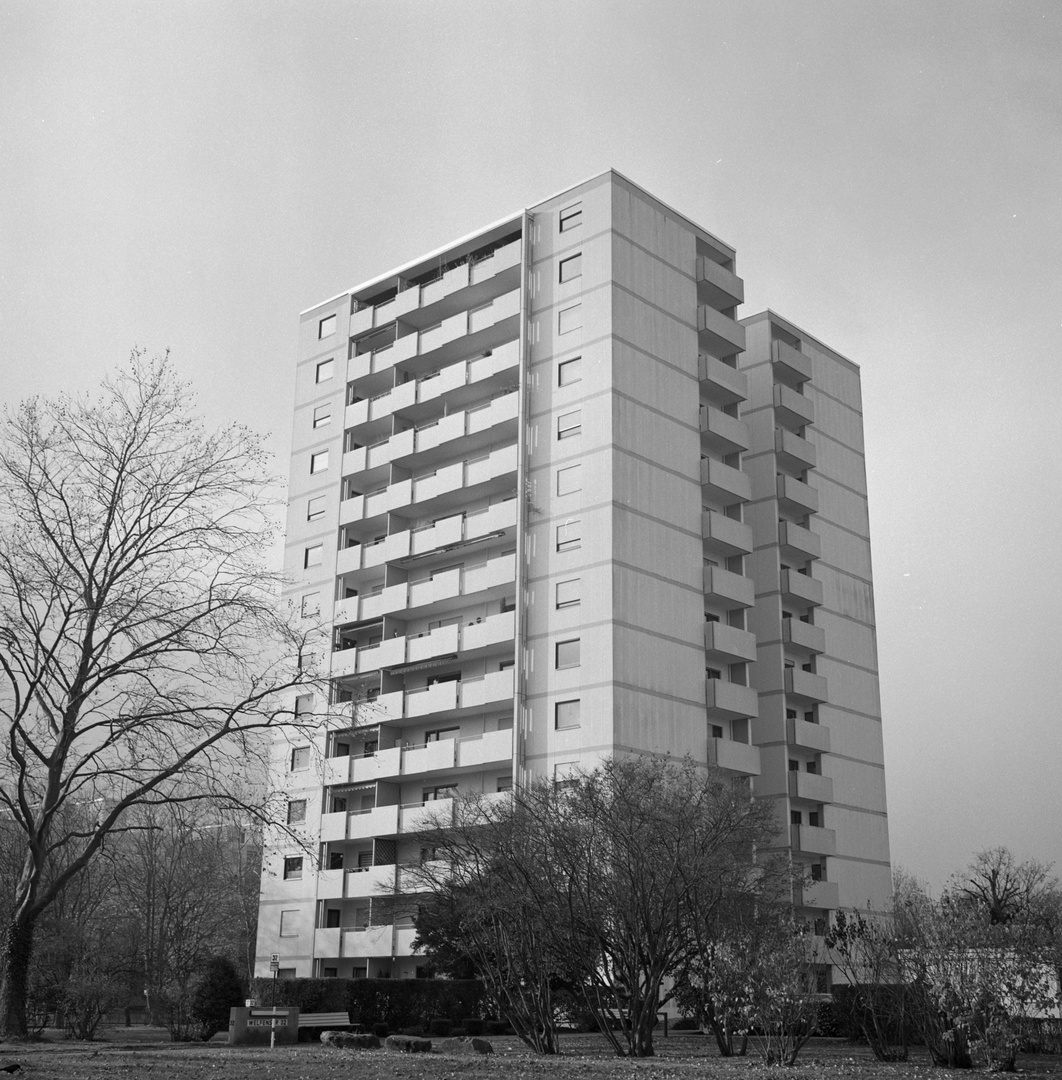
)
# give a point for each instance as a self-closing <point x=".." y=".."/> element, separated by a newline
<point x="191" y="175"/>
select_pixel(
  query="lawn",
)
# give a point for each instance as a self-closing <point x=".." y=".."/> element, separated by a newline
<point x="585" y="1056"/>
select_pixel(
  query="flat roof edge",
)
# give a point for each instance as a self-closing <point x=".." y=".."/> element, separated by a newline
<point x="769" y="313"/>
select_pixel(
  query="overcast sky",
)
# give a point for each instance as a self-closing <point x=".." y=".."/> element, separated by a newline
<point x="191" y="175"/>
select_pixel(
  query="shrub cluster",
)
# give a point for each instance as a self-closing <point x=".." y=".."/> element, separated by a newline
<point x="396" y="1003"/>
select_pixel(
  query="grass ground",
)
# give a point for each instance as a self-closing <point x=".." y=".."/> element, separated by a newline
<point x="135" y="1053"/>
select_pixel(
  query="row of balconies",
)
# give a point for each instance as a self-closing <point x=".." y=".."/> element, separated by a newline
<point x="417" y="297"/>
<point x="493" y="688"/>
<point x="414" y="649"/>
<point x="407" y="819"/>
<point x="363" y="943"/>
<point x="434" y="339"/>
<point x="478" y="751"/>
<point x="445" y="533"/>
<point x="458" y="582"/>
<point x="456" y="477"/>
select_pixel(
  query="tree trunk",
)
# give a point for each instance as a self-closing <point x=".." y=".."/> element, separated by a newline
<point x="14" y="984"/>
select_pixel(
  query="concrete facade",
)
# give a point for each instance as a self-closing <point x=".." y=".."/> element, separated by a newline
<point x="552" y="502"/>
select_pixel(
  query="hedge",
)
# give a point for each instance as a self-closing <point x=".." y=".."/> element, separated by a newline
<point x="398" y="1003"/>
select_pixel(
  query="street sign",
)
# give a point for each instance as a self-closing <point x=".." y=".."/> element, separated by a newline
<point x="274" y="961"/>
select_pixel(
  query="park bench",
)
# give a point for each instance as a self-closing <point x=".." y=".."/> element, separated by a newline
<point x="322" y="1020"/>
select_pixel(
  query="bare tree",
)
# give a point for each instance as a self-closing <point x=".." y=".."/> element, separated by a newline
<point x="1005" y="888"/>
<point x="141" y="642"/>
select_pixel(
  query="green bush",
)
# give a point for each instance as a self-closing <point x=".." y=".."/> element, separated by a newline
<point x="217" y="991"/>
<point x="381" y="1031"/>
<point x="473" y="1025"/>
<point x="439" y="1027"/>
<point x="398" y="1003"/>
<point x="498" y="1027"/>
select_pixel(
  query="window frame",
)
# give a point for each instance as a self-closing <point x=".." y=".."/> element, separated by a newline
<point x="327" y="326"/>
<point x="319" y="462"/>
<point x="308" y="559"/>
<point x="574" y="473"/>
<point x="573" y="429"/>
<point x="295" y="808"/>
<point x="293" y="867"/>
<point x="568" y="725"/>
<point x="571" y="309"/>
<point x="570" y="543"/>
<point x="566" y="377"/>
<point x="316" y="507"/>
<point x="297" y="756"/>
<point x="569" y="662"/>
<point x="560" y="604"/>
<point x="570" y="268"/>
<point x="570" y="217"/>
<point x="325" y="370"/>
<point x="320" y="419"/>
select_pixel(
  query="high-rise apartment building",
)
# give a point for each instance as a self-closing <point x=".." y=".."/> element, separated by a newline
<point x="554" y="502"/>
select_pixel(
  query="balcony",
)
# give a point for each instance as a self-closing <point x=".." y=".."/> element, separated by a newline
<point x="727" y="289"/>
<point x="368" y="941"/>
<point x="820" y="894"/>
<point x="723" y="433"/>
<point x="718" y="334"/>
<point x="368" y="768"/>
<point x="326" y="942"/>
<point x="404" y="938"/>
<point x="793" y="452"/>
<point x="724" y="484"/>
<point x="803" y="638"/>
<point x="726" y="384"/>
<point x="725" y="534"/>
<point x="797" y="543"/>
<point x="804" y="685"/>
<point x="330" y="885"/>
<point x="790" y="366"/>
<point x="812" y="841"/>
<point x="811" y="787"/>
<point x="366" y="881"/>
<point x="796" y="497"/>
<point x="442" y="486"/>
<point x="791" y="409"/>
<point x="365" y="824"/>
<point x="801" y="590"/>
<point x="728" y="643"/>
<point x="424" y="817"/>
<point x="490" y="748"/>
<point x="732" y="590"/>
<point x="809" y="736"/>
<point x="730" y="701"/>
<point x="735" y="756"/>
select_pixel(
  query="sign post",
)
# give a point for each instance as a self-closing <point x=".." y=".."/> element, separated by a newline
<point x="274" y="966"/>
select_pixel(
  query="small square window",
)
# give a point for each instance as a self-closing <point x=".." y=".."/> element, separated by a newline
<point x="569" y="319"/>
<point x="322" y="415"/>
<point x="566" y="714"/>
<point x="569" y="480"/>
<point x="331" y="973"/>
<point x="319" y="461"/>
<point x="315" y="507"/>
<point x="293" y="868"/>
<point x="717" y="731"/>
<point x="313" y="556"/>
<point x="300" y="757"/>
<point x="296" y="811"/>
<point x="289" y="921"/>
<point x="325" y="370"/>
<point x="795" y="817"/>
<point x="326" y="327"/>
<point x="568" y="593"/>
<point x="303" y="707"/>
<point x="570" y="371"/>
<point x="569" y="424"/>
<point x="569" y="536"/>
<point x="571" y="268"/>
<point x="571" y="216"/>
<point x="311" y="605"/>
<point x="505" y="783"/>
<point x="567" y="653"/>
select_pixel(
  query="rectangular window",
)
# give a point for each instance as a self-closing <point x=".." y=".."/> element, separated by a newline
<point x="315" y="507"/>
<point x="569" y="536"/>
<point x="569" y="319"/>
<point x="311" y="605"/>
<point x="570" y="371"/>
<point x="568" y="593"/>
<point x="571" y="216"/>
<point x="319" y="461"/>
<point x="331" y="973"/>
<point x="444" y="791"/>
<point x="441" y="734"/>
<point x="303" y="707"/>
<point x="296" y="811"/>
<point x="569" y="480"/>
<point x="794" y="817"/>
<point x="567" y="655"/>
<point x="293" y="868"/>
<point x="313" y="556"/>
<point x="289" y="923"/>
<point x="569" y="423"/>
<point x="566" y="714"/>
<point x="505" y="783"/>
<point x="717" y="731"/>
<point x="300" y="758"/>
<point x="322" y="415"/>
<point x="325" y="370"/>
<point x="326" y="327"/>
<point x="571" y="268"/>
